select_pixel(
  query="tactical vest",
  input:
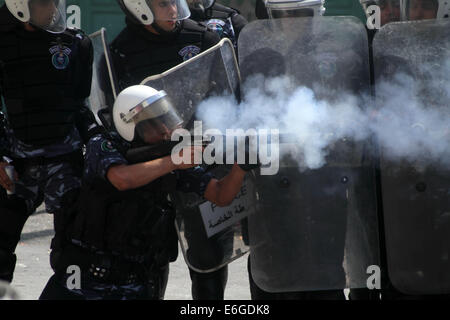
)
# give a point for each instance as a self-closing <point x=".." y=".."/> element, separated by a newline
<point x="135" y="225"/>
<point x="44" y="79"/>
<point x="138" y="53"/>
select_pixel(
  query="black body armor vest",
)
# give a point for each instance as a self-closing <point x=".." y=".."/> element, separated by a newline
<point x="44" y="79"/>
<point x="135" y="225"/>
<point x="137" y="53"/>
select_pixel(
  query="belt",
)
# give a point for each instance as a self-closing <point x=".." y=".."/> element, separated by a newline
<point x="39" y="161"/>
<point x="102" y="267"/>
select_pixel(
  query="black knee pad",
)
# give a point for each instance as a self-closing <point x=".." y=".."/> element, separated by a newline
<point x="7" y="265"/>
<point x="209" y="286"/>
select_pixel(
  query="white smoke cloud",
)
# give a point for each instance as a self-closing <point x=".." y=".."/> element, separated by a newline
<point x="406" y="124"/>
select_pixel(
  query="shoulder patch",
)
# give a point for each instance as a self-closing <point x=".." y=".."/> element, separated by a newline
<point x="216" y="25"/>
<point x="188" y="52"/>
<point x="60" y="56"/>
<point x="107" y="146"/>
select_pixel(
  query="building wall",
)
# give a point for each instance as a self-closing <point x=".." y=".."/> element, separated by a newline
<point x="91" y="15"/>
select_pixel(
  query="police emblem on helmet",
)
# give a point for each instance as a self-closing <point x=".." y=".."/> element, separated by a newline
<point x="60" y="56"/>
<point x="188" y="52"/>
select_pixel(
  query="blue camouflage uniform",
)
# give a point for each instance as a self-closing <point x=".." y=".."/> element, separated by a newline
<point x="100" y="155"/>
<point x="45" y="182"/>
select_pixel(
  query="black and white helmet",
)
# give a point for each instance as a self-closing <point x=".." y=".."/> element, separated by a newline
<point x="142" y="113"/>
<point x="49" y="15"/>
<point x="148" y="11"/>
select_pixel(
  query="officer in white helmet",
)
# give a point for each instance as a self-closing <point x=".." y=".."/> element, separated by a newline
<point x="45" y="78"/>
<point x="289" y="8"/>
<point x="49" y="15"/>
<point x="121" y="231"/>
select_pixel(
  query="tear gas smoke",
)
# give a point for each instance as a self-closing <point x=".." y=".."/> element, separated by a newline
<point x="409" y="120"/>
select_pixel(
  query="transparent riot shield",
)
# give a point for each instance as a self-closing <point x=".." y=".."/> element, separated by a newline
<point x="210" y="237"/>
<point x="415" y="188"/>
<point x="314" y="229"/>
<point x="213" y="72"/>
<point x="104" y="88"/>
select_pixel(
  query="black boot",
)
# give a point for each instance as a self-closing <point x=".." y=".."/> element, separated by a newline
<point x="209" y="286"/>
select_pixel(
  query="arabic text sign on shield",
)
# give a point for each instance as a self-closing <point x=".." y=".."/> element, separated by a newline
<point x="216" y="219"/>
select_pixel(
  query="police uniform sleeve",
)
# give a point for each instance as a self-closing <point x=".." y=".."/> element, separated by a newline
<point x="86" y="60"/>
<point x="239" y="22"/>
<point x="210" y="39"/>
<point x="193" y="180"/>
<point x="100" y="155"/>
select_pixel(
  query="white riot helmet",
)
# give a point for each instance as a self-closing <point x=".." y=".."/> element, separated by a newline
<point x="141" y="112"/>
<point x="49" y="15"/>
<point x="148" y="11"/>
<point x="426" y="9"/>
<point x="294" y="8"/>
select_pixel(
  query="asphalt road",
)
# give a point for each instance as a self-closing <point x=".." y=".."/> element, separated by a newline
<point x="33" y="268"/>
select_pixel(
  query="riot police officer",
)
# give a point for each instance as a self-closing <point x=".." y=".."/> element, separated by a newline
<point x="45" y="76"/>
<point x="157" y="37"/>
<point x="120" y="232"/>
<point x="225" y="21"/>
<point x="151" y="46"/>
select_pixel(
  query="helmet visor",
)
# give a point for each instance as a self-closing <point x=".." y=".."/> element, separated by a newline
<point x="156" y="122"/>
<point x="294" y="9"/>
<point x="169" y="10"/>
<point x="293" y="13"/>
<point x="49" y="15"/>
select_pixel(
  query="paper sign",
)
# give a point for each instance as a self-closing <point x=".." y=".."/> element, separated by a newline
<point x="216" y="219"/>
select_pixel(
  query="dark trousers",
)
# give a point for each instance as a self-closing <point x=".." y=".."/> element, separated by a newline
<point x="209" y="286"/>
<point x="13" y="215"/>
